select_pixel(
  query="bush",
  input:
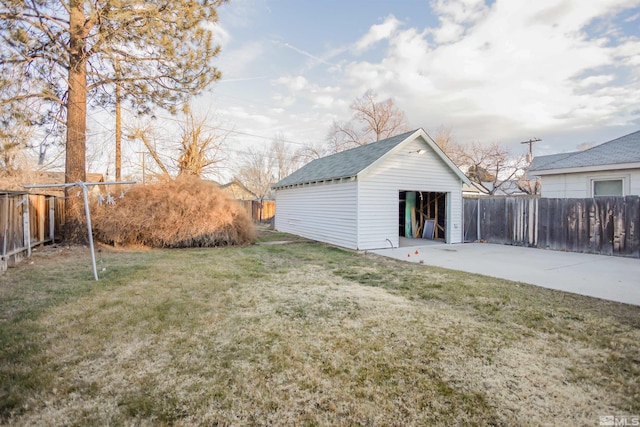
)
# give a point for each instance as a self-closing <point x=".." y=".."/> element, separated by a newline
<point x="186" y="212"/>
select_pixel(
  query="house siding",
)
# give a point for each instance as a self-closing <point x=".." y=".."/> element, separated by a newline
<point x="379" y="187"/>
<point x="326" y="212"/>
<point x="578" y="185"/>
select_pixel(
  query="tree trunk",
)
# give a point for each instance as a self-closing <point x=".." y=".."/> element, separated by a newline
<point x="75" y="223"/>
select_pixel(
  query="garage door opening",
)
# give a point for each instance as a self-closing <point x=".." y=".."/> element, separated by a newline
<point x="422" y="215"/>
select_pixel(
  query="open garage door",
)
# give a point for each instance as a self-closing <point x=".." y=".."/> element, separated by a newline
<point x="422" y="215"/>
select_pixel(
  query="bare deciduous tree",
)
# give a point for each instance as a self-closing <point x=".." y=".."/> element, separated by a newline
<point x="492" y="166"/>
<point x="198" y="151"/>
<point x="312" y="151"/>
<point x="445" y="139"/>
<point x="372" y="121"/>
<point x="529" y="185"/>
<point x="201" y="148"/>
<point x="256" y="172"/>
<point x="284" y="162"/>
<point x="261" y="169"/>
<point x="146" y="134"/>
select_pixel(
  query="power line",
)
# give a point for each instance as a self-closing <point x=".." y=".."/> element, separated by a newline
<point x="213" y="127"/>
<point x="173" y="119"/>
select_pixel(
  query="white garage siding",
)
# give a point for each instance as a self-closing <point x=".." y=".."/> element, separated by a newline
<point x="351" y="199"/>
<point x="325" y="212"/>
<point x="379" y="187"/>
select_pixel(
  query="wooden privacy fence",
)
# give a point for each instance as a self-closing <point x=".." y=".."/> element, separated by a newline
<point x="27" y="220"/>
<point x="602" y="225"/>
<point x="260" y="211"/>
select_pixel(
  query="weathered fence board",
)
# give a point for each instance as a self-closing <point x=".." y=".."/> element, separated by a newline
<point x="504" y="220"/>
<point x="470" y="226"/>
<point x="603" y="225"/>
<point x="260" y="211"/>
<point x="27" y="221"/>
<point x="264" y="211"/>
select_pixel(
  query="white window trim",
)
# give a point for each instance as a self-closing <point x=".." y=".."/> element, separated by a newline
<point x="624" y="178"/>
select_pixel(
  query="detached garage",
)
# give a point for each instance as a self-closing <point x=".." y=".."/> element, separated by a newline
<point x="370" y="196"/>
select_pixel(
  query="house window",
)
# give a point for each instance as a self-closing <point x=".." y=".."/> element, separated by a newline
<point x="608" y="187"/>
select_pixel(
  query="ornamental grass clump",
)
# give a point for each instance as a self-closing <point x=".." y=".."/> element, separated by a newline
<point x="185" y="212"/>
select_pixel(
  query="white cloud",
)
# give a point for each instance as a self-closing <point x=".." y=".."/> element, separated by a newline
<point x="377" y="33"/>
<point x="449" y="31"/>
<point x="517" y="66"/>
<point x="237" y="63"/>
<point x="596" y="80"/>
<point x="454" y="17"/>
<point x="323" y="101"/>
<point x="460" y="11"/>
<point x="487" y="71"/>
<point x="629" y="52"/>
<point x="220" y="35"/>
<point x="293" y="83"/>
<point x="241" y="113"/>
<point x="299" y="88"/>
<point x="633" y="17"/>
<point x="283" y="100"/>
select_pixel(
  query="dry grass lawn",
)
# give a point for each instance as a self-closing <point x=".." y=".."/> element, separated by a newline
<point x="302" y="334"/>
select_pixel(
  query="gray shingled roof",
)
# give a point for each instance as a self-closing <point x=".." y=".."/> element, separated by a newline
<point x="540" y="161"/>
<point x="344" y="164"/>
<point x="625" y="149"/>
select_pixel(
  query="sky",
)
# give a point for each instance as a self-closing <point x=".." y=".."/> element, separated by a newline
<point x="506" y="71"/>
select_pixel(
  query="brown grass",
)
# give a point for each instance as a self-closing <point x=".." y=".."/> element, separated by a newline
<point x="186" y="212"/>
<point x="302" y="334"/>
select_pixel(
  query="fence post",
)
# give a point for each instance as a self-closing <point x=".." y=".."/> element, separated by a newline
<point x="41" y="216"/>
<point x="5" y="228"/>
<point x="52" y="218"/>
<point x="534" y="221"/>
<point x="478" y="221"/>
<point x="26" y="228"/>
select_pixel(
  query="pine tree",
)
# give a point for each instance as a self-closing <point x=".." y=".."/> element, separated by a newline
<point x="66" y="53"/>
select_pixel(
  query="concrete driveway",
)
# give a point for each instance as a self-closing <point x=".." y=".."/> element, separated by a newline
<point x="606" y="277"/>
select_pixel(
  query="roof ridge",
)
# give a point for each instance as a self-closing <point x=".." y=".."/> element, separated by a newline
<point x="615" y="151"/>
<point x="360" y="147"/>
<point x="344" y="163"/>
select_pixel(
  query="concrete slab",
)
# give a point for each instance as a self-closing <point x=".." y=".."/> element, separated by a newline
<point x="606" y="277"/>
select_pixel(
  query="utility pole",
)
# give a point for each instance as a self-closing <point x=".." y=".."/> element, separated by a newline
<point x="143" y="153"/>
<point x="118" y="125"/>
<point x="530" y="142"/>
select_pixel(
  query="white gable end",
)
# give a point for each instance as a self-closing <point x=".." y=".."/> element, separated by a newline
<point x="404" y="170"/>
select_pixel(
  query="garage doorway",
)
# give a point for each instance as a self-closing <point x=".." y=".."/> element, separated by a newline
<point x="422" y="215"/>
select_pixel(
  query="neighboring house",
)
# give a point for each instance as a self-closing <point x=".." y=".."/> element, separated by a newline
<point x="609" y="169"/>
<point x="473" y="189"/>
<point x="236" y="190"/>
<point x="369" y="196"/>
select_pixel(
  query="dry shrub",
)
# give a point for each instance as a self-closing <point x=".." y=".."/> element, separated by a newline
<point x="186" y="212"/>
